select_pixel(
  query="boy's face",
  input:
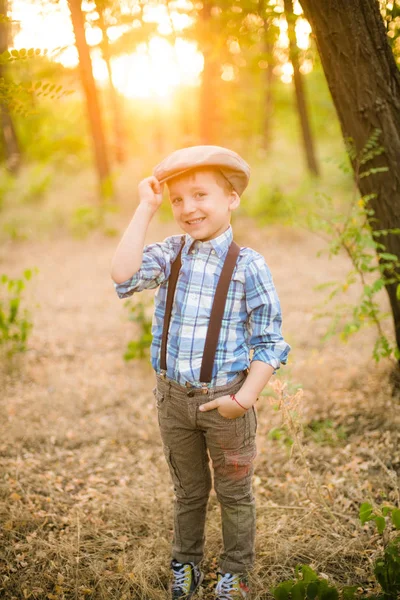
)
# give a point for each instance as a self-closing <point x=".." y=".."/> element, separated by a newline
<point x="201" y="206"/>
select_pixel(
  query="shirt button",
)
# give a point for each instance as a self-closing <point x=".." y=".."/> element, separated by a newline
<point x="212" y="251"/>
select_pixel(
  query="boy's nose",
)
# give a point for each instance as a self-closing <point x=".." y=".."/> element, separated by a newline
<point x="188" y="207"/>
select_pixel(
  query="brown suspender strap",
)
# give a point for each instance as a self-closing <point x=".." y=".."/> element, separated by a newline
<point x="217" y="311"/>
<point x="173" y="278"/>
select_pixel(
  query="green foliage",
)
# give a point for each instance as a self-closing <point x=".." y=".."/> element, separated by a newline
<point x="353" y="233"/>
<point x="88" y="218"/>
<point x="14" y="322"/>
<point x="37" y="186"/>
<point x="380" y="516"/>
<point x="139" y="348"/>
<point x="308" y="586"/>
<point x="387" y="566"/>
<point x="325" y="432"/>
<point x="281" y="435"/>
<point x="270" y="205"/>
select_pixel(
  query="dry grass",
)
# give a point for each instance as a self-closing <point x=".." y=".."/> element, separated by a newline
<point x="86" y="500"/>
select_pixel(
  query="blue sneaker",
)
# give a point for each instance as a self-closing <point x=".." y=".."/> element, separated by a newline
<point x="186" y="579"/>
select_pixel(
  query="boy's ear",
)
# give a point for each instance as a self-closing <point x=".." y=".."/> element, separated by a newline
<point x="235" y="200"/>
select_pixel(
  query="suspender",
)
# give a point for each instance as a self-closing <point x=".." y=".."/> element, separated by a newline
<point x="217" y="311"/>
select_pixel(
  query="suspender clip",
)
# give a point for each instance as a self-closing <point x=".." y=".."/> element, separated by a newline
<point x="204" y="388"/>
<point x="163" y="373"/>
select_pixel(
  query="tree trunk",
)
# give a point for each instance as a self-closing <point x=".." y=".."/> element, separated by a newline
<point x="8" y="134"/>
<point x="92" y="101"/>
<point x="209" y="113"/>
<point x="307" y="138"/>
<point x="114" y="100"/>
<point x="364" y="81"/>
<point x="268" y="78"/>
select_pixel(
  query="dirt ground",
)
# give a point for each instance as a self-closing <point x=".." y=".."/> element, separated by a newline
<point x="86" y="499"/>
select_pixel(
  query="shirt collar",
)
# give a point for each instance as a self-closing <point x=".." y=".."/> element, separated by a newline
<point x="220" y="244"/>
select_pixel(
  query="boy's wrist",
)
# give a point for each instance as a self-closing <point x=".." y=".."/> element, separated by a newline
<point x="146" y="209"/>
<point x="246" y="399"/>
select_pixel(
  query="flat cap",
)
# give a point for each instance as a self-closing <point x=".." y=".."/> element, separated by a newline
<point x="231" y="165"/>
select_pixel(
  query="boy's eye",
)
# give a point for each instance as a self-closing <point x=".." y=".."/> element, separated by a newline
<point x="176" y="200"/>
<point x="199" y="194"/>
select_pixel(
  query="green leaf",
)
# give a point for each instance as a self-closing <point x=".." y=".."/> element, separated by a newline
<point x="366" y="512"/>
<point x="380" y="524"/>
<point x="330" y="593"/>
<point x="298" y="591"/>
<point x="281" y="591"/>
<point x="388" y="256"/>
<point x="396" y="518"/>
<point x="308" y="574"/>
<point x="349" y="591"/>
<point x="312" y="590"/>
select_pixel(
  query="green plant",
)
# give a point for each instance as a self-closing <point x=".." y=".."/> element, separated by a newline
<point x="139" y="348"/>
<point x="14" y="323"/>
<point x="38" y="183"/>
<point x="86" y="218"/>
<point x="353" y="233"/>
<point x="307" y="585"/>
<point x="324" y="432"/>
<point x="281" y="435"/>
<point x="387" y="566"/>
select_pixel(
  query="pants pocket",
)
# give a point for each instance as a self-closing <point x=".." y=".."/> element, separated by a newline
<point x="159" y="396"/>
<point x="176" y="480"/>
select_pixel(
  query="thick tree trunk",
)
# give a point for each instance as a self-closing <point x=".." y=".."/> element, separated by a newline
<point x="119" y="142"/>
<point x="364" y="81"/>
<point x="299" y="87"/>
<point x="8" y="134"/>
<point x="92" y="101"/>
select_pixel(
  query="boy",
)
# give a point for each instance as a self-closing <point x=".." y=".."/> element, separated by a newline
<point x="206" y="386"/>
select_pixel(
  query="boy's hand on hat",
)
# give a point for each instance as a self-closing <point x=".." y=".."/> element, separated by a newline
<point x="226" y="407"/>
<point x="151" y="192"/>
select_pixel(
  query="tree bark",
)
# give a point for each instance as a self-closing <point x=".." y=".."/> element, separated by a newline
<point x="364" y="81"/>
<point x="114" y="100"/>
<point x="92" y="100"/>
<point x="9" y="136"/>
<point x="307" y="138"/>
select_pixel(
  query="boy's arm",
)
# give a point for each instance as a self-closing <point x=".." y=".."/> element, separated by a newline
<point x="128" y="256"/>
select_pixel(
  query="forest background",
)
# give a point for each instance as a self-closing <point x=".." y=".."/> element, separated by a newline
<point x="93" y="95"/>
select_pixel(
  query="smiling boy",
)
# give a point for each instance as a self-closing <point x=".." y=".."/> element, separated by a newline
<point x="206" y="381"/>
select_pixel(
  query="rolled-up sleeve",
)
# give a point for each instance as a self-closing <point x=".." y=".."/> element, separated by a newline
<point x="264" y="315"/>
<point x="155" y="268"/>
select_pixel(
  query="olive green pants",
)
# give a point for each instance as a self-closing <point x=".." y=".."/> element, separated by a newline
<point x="189" y="436"/>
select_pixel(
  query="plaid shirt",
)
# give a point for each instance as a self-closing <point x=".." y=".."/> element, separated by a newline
<point x="252" y="317"/>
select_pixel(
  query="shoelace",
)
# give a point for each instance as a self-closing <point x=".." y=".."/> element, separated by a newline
<point x="181" y="581"/>
<point x="227" y="584"/>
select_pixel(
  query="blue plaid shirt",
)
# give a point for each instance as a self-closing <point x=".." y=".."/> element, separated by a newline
<point x="252" y="317"/>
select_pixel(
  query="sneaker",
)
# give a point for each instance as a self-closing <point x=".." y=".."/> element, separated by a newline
<point x="186" y="579"/>
<point x="232" y="587"/>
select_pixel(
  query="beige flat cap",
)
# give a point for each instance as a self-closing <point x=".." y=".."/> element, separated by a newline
<point x="231" y="165"/>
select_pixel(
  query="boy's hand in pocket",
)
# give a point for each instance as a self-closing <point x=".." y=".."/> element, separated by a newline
<point x="227" y="407"/>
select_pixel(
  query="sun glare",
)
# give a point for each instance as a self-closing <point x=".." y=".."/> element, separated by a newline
<point x="157" y="67"/>
<point x="152" y="71"/>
